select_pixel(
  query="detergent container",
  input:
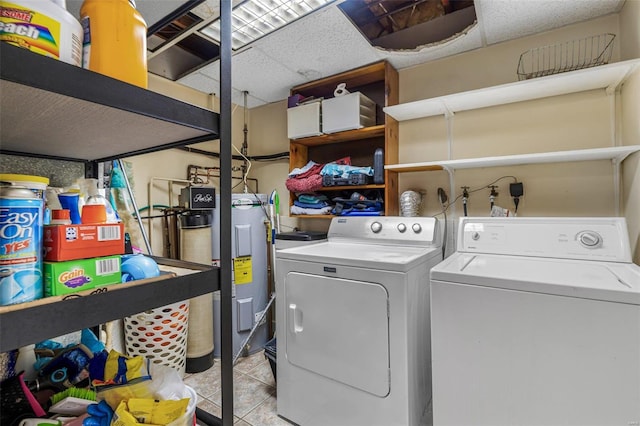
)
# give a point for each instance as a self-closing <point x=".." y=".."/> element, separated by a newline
<point x="115" y="40"/>
<point x="42" y="26"/>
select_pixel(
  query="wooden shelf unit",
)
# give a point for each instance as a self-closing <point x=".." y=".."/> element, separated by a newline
<point x="379" y="82"/>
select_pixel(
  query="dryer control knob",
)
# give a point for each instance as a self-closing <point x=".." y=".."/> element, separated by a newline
<point x="590" y="239"/>
<point x="376" y="227"/>
<point x="416" y="228"/>
<point x="402" y="227"/>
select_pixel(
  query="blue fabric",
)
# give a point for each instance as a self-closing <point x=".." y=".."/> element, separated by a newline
<point x="344" y="171"/>
<point x="310" y="205"/>
<point x="353" y="208"/>
<point x="311" y="198"/>
<point x="361" y="213"/>
<point x="300" y="170"/>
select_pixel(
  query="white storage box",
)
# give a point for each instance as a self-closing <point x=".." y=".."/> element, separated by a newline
<point x="352" y="111"/>
<point x="304" y="120"/>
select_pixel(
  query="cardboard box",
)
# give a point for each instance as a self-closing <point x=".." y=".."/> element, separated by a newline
<point x="72" y="276"/>
<point x="304" y="120"/>
<point x="347" y="112"/>
<point x="70" y="242"/>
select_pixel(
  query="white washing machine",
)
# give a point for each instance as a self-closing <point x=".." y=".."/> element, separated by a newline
<point x="353" y="324"/>
<point x="536" y="321"/>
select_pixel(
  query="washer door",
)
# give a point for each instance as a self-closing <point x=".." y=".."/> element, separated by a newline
<point x="339" y="328"/>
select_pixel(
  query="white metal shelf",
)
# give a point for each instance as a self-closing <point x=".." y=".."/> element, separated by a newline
<point x="618" y="154"/>
<point x="607" y="77"/>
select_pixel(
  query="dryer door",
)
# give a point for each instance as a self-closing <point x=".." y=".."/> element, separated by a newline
<point x="339" y="328"/>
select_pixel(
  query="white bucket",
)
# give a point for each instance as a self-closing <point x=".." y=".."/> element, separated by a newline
<point x="37" y="184"/>
<point x="188" y="418"/>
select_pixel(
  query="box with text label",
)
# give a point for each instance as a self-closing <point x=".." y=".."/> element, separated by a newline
<point x="72" y="276"/>
<point x="70" y="242"/>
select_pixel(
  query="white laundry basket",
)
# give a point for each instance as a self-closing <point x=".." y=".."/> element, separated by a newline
<point x="160" y="335"/>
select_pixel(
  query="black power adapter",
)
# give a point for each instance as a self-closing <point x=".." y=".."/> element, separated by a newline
<point x="516" y="190"/>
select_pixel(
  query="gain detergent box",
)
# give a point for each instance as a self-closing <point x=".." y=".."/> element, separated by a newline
<point x="72" y="276"/>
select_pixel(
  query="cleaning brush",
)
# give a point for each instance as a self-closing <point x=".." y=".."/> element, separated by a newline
<point x="72" y="401"/>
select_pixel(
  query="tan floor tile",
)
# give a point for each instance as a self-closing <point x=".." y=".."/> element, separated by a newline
<point x="241" y="423"/>
<point x="247" y="394"/>
<point x="263" y="373"/>
<point x="266" y="414"/>
<point x="210" y="407"/>
<point x="246" y="364"/>
<point x="206" y="383"/>
<point x="213" y="409"/>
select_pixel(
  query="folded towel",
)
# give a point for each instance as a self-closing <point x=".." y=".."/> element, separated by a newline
<point x="312" y="198"/>
<point x="300" y="210"/>
<point x="310" y="205"/>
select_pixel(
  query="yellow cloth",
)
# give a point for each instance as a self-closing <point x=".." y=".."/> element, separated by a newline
<point x="135" y="366"/>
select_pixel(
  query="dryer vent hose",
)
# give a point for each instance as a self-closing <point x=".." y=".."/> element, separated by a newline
<point x="410" y="202"/>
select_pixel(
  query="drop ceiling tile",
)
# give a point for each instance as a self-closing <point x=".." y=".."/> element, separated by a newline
<point x="200" y="82"/>
<point x="507" y="19"/>
<point x="261" y="76"/>
<point x="321" y="44"/>
<point x="206" y="84"/>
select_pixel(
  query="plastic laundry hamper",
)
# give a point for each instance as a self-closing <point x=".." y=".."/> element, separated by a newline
<point x="160" y="335"/>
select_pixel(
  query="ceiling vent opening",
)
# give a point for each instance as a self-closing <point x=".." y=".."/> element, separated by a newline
<point x="409" y="24"/>
<point x="176" y="49"/>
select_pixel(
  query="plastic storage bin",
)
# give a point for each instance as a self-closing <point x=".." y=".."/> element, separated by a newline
<point x="347" y="112"/>
<point x="304" y="120"/>
<point x="160" y="335"/>
<point x="270" y="352"/>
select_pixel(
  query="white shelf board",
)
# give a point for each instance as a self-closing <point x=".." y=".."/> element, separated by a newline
<point x="601" y="77"/>
<point x="618" y="153"/>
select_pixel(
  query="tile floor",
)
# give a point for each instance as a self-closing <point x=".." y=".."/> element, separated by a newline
<point x="254" y="389"/>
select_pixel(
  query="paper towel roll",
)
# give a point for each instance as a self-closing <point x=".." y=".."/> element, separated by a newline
<point x="341" y="90"/>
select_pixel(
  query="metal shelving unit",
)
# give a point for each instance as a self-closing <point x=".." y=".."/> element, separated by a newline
<point x="35" y="321"/>
<point x="54" y="110"/>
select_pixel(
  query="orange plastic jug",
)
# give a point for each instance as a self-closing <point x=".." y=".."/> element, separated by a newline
<point x="115" y="40"/>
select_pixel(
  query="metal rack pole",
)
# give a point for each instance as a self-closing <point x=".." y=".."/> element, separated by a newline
<point x="226" y="316"/>
<point x="135" y="207"/>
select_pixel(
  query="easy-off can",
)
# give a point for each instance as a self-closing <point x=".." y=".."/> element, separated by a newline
<point x="20" y="245"/>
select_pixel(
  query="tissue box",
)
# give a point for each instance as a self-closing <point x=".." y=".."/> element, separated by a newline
<point x="72" y="276"/>
<point x="70" y="242"/>
<point x="347" y="112"/>
<point x="304" y="120"/>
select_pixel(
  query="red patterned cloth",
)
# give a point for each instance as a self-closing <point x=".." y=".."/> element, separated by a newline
<point x="308" y="184"/>
<point x="311" y="180"/>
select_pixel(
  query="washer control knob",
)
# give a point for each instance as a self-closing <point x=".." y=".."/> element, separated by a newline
<point x="376" y="227"/>
<point x="402" y="227"/>
<point x="475" y="236"/>
<point x="590" y="239"/>
<point x="416" y="228"/>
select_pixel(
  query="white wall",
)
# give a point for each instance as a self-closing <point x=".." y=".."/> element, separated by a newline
<point x="578" y="121"/>
<point x="561" y="123"/>
<point x="630" y="48"/>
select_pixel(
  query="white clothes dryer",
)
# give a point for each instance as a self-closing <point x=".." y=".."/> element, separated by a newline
<point x="353" y="324"/>
<point x="536" y="321"/>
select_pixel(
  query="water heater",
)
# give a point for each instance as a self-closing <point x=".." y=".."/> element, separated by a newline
<point x="249" y="266"/>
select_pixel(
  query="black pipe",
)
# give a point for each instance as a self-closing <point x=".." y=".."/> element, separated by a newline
<point x="276" y="156"/>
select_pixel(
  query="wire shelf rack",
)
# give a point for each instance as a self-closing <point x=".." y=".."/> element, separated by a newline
<point x="569" y="56"/>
